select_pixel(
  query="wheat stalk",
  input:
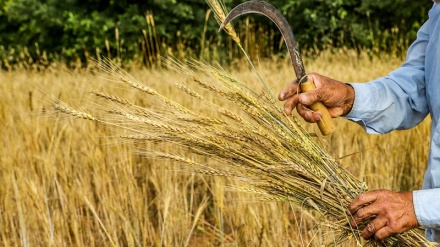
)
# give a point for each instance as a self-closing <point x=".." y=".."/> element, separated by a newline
<point x="252" y="142"/>
<point x="64" y="108"/>
<point x="319" y="165"/>
<point x="219" y="10"/>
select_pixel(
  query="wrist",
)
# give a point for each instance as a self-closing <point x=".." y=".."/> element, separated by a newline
<point x="349" y="98"/>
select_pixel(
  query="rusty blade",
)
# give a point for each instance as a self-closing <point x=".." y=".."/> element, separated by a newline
<point x="268" y="10"/>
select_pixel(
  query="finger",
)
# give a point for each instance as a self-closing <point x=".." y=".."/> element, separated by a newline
<point x="363" y="199"/>
<point x="318" y="79"/>
<point x="335" y="112"/>
<point x="365" y="213"/>
<point x="309" y="98"/>
<point x="384" y="233"/>
<point x="308" y="115"/>
<point x="290" y="104"/>
<point x="372" y="227"/>
<point x="290" y="90"/>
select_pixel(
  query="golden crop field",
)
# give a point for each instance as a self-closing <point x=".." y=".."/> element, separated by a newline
<point x="68" y="182"/>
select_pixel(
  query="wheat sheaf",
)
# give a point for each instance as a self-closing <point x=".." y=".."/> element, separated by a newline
<point x="253" y="141"/>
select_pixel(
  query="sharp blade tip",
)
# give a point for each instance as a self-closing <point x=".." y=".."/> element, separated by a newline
<point x="221" y="27"/>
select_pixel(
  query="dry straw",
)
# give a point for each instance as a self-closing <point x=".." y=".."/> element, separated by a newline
<point x="252" y="141"/>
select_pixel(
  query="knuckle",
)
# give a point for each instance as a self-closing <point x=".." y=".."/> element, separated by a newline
<point x="383" y="192"/>
<point x="301" y="111"/>
<point x="307" y="117"/>
<point x="318" y="94"/>
<point x="381" y="235"/>
<point x="318" y="97"/>
<point x="362" y="198"/>
<point x="394" y="227"/>
<point x="353" y="206"/>
<point x="293" y="88"/>
<point x="365" y="235"/>
<point x="313" y="74"/>
<point x="353" y="223"/>
<point x="360" y="213"/>
<point x="304" y="117"/>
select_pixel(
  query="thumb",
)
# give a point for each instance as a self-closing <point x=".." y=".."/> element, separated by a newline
<point x="309" y="98"/>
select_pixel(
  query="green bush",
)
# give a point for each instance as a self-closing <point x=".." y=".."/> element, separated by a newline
<point x="75" y="29"/>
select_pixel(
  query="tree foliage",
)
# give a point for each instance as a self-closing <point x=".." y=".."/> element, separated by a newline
<point x="75" y="28"/>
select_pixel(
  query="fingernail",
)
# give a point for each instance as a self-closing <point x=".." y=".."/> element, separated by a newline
<point x="303" y="98"/>
<point x="308" y="115"/>
<point x="319" y="115"/>
<point x="282" y="96"/>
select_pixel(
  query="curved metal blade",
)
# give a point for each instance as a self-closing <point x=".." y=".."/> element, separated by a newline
<point x="268" y="10"/>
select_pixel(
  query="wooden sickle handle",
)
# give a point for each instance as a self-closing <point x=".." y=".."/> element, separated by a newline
<point x="325" y="124"/>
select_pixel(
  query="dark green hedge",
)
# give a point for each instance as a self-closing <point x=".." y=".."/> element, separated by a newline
<point x="71" y="29"/>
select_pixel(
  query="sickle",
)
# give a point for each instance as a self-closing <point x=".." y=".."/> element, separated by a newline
<point x="325" y="124"/>
<point x="268" y="10"/>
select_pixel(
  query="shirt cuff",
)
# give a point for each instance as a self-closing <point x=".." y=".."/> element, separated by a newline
<point x="363" y="92"/>
<point x="426" y="207"/>
<point x="361" y="112"/>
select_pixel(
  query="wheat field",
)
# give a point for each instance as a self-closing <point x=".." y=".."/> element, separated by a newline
<point x="67" y="182"/>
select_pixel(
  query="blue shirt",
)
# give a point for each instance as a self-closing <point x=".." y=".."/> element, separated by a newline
<point x="402" y="100"/>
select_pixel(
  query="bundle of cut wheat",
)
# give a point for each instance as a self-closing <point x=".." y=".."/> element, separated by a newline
<point x="254" y="142"/>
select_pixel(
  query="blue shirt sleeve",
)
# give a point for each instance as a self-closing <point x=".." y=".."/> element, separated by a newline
<point x="398" y="100"/>
<point x="424" y="205"/>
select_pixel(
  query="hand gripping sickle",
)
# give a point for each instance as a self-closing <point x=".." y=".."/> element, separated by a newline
<point x="260" y="7"/>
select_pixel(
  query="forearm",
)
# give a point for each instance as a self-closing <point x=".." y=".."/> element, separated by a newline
<point x="382" y="105"/>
